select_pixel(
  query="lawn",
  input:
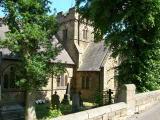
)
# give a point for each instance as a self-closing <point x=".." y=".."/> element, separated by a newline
<point x="44" y="111"/>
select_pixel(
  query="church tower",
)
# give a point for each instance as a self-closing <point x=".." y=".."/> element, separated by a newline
<point x="74" y="34"/>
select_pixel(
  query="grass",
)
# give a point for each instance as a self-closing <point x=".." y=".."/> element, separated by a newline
<point x="44" y="111"/>
<point x="88" y="104"/>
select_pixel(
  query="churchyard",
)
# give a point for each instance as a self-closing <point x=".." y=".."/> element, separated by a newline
<point x="69" y="105"/>
<point x="98" y="61"/>
<point x="45" y="111"/>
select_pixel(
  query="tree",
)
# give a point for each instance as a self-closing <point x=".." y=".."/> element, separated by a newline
<point x="132" y="31"/>
<point x="31" y="31"/>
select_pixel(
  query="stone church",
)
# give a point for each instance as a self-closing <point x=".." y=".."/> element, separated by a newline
<point x="89" y="66"/>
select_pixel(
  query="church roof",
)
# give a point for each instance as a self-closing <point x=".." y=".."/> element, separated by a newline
<point x="93" y="57"/>
<point x="63" y="57"/>
<point x="6" y="54"/>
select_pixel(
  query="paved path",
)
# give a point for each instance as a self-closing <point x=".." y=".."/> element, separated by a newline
<point x="151" y="114"/>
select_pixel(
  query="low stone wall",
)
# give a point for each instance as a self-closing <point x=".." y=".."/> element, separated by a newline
<point x="128" y="104"/>
<point x="146" y="100"/>
<point x="110" y="112"/>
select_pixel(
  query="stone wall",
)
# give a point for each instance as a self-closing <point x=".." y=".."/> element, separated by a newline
<point x="111" y="112"/>
<point x="109" y="73"/>
<point x="45" y="92"/>
<point x="88" y="94"/>
<point x="66" y="22"/>
<point x="146" y="100"/>
<point x="128" y="104"/>
<point x="13" y="95"/>
<point x="137" y="103"/>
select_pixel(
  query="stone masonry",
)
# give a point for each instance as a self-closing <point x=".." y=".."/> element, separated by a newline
<point x="128" y="104"/>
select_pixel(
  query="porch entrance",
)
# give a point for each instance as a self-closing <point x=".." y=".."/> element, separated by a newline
<point x="11" y="96"/>
<point x="10" y="93"/>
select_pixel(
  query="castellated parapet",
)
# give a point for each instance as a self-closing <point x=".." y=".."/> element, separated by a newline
<point x="74" y="42"/>
<point x="64" y="17"/>
<point x="67" y="24"/>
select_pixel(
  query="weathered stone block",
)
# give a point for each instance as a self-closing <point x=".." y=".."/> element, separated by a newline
<point x="105" y="117"/>
<point x="123" y="112"/>
<point x="98" y="118"/>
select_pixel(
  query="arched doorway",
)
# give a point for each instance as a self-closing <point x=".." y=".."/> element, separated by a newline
<point x="11" y="93"/>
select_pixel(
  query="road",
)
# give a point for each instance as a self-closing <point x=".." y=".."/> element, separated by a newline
<point x="151" y="114"/>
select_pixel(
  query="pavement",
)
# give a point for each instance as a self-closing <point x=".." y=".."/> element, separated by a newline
<point x="151" y="114"/>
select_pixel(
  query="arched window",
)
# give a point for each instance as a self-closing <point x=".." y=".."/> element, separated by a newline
<point x="85" y="33"/>
<point x="62" y="80"/>
<point x="10" y="77"/>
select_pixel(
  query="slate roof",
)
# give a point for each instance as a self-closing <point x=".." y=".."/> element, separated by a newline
<point x="6" y="54"/>
<point x="63" y="57"/>
<point x="94" y="57"/>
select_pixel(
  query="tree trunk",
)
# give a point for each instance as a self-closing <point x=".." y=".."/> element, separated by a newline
<point x="30" y="113"/>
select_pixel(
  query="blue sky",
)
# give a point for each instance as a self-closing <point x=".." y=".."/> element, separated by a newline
<point x="60" y="5"/>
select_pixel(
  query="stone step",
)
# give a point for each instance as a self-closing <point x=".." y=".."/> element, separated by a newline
<point x="12" y="112"/>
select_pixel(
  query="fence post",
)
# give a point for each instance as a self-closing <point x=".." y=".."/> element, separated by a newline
<point x="127" y="95"/>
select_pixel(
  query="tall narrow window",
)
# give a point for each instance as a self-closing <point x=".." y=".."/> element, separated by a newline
<point x="83" y="82"/>
<point x="12" y="77"/>
<point x="65" y="35"/>
<point x="66" y="80"/>
<point x="58" y="80"/>
<point x="87" y="82"/>
<point x="62" y="80"/>
<point x="6" y="81"/>
<point x="85" y="34"/>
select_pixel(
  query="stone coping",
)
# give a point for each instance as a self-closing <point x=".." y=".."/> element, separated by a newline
<point x="150" y="94"/>
<point x="92" y="113"/>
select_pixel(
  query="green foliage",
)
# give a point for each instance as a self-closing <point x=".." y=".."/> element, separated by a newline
<point x="66" y="109"/>
<point x="132" y="31"/>
<point x="43" y="111"/>
<point x="98" y="98"/>
<point x="89" y="104"/>
<point x="54" y="113"/>
<point x="31" y="31"/>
